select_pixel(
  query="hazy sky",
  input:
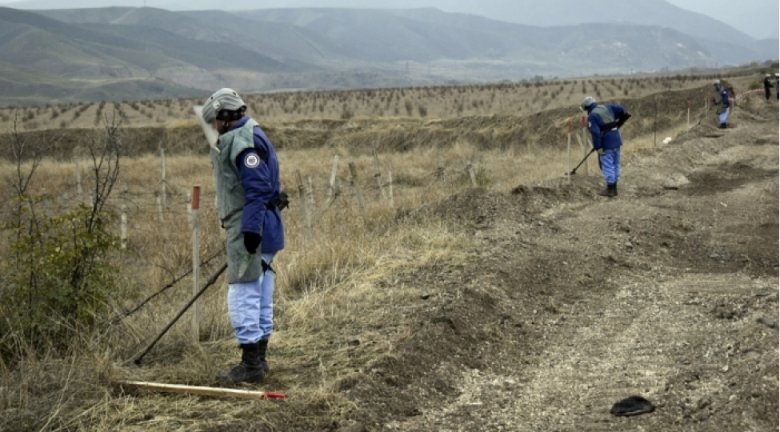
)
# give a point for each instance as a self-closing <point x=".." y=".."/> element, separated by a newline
<point x="758" y="18"/>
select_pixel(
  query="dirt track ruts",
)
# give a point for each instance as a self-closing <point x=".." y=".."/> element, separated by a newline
<point x="575" y="301"/>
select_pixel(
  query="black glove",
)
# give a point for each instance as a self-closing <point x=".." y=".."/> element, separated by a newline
<point x="623" y="118"/>
<point x="252" y="242"/>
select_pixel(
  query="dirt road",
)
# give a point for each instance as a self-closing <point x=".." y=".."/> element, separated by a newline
<point x="574" y="301"/>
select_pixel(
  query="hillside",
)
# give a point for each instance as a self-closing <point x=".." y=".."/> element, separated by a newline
<point x="309" y="48"/>
<point x="552" y="13"/>
<point x="647" y="12"/>
<point x="386" y="37"/>
<point x="116" y="61"/>
<point x="23" y="86"/>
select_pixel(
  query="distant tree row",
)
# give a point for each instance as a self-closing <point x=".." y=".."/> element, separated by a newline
<point x="504" y="97"/>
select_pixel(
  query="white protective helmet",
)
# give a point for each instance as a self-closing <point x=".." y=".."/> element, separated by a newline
<point x="224" y="104"/>
<point x="587" y="102"/>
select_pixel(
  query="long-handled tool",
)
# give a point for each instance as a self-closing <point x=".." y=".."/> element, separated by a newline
<point x="574" y="171"/>
<point x="617" y="124"/>
<point x="200" y="391"/>
<point x="116" y="320"/>
<point x="192" y="301"/>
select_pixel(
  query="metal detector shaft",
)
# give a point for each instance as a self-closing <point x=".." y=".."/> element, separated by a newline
<point x="574" y="171"/>
<point x="171" y="284"/>
<point x="192" y="301"/>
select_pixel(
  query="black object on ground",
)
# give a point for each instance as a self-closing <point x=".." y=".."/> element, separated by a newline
<point x="631" y="406"/>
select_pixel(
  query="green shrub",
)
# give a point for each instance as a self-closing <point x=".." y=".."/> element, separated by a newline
<point x="58" y="277"/>
<point x="56" y="272"/>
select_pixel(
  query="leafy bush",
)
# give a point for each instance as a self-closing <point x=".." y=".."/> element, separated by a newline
<point x="56" y="272"/>
<point x="58" y="278"/>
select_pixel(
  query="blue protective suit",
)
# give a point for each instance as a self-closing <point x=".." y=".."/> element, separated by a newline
<point x="606" y="137"/>
<point x="250" y="176"/>
<point x="723" y="104"/>
<point x="600" y="117"/>
<point x="261" y="184"/>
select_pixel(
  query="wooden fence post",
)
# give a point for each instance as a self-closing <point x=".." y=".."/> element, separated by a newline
<point x="581" y="145"/>
<point x="333" y="189"/>
<point x="353" y="181"/>
<point x="472" y="175"/>
<point x="189" y="204"/>
<point x="688" y="124"/>
<point x="158" y="201"/>
<point x="390" y="188"/>
<point x="584" y="143"/>
<point x="655" y="122"/>
<point x="440" y="173"/>
<point x="568" y="148"/>
<point x="378" y="177"/>
<point x="163" y="180"/>
<point x="195" y="208"/>
<point x="79" y="187"/>
<point x="123" y="228"/>
<point x="309" y="189"/>
<point x="304" y="205"/>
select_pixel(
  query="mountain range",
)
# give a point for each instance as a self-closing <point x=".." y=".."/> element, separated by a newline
<point x="750" y="17"/>
<point x="131" y="53"/>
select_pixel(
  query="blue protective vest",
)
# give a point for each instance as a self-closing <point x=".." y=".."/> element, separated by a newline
<point x="230" y="192"/>
<point x="601" y="123"/>
<point x="232" y="203"/>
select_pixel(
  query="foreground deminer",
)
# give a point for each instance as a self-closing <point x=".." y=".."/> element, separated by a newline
<point x="604" y="122"/>
<point x="722" y="103"/>
<point x="246" y="173"/>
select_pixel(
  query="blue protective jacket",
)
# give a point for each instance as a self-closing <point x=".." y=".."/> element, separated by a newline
<point x="259" y="171"/>
<point x="721" y="99"/>
<point x="599" y="118"/>
<point x="724" y="96"/>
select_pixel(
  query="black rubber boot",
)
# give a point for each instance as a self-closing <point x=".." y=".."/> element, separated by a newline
<point x="253" y="367"/>
<point x="612" y="190"/>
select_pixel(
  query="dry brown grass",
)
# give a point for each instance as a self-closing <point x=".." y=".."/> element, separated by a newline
<point x="337" y="286"/>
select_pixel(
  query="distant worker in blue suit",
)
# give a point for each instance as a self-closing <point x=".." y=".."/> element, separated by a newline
<point x="722" y="103"/>
<point x="604" y="122"/>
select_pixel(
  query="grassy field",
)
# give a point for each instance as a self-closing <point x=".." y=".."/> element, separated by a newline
<point x="343" y="296"/>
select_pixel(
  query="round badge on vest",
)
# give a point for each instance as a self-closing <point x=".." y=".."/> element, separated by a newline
<point x="252" y="161"/>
